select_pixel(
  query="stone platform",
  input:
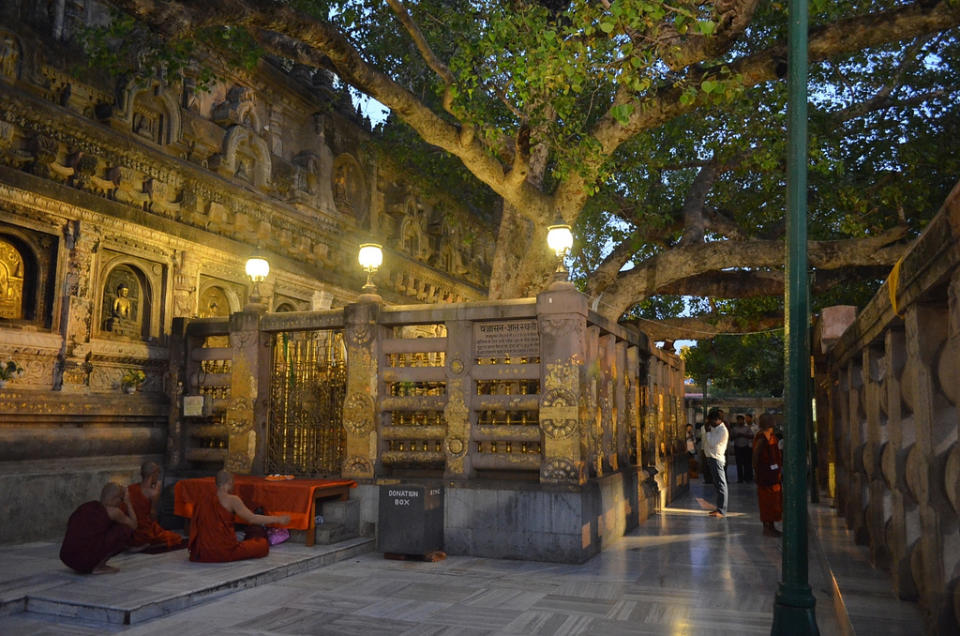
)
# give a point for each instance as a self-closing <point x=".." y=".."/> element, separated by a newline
<point x="147" y="586"/>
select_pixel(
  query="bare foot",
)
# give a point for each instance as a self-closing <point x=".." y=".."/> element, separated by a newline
<point x="716" y="513"/>
<point x="104" y="569"/>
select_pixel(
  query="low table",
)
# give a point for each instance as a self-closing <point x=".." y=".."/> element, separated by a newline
<point x="295" y="497"/>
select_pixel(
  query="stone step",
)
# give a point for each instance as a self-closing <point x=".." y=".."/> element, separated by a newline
<point x="149" y="586"/>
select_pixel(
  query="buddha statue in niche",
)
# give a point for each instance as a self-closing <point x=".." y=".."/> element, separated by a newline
<point x="122" y="316"/>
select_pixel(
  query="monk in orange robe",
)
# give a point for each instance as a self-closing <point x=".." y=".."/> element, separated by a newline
<point x="144" y="497"/>
<point x="768" y="469"/>
<point x="97" y="530"/>
<point x="212" y="538"/>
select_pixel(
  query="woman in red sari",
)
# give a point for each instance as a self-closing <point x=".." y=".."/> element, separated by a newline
<point x="768" y="468"/>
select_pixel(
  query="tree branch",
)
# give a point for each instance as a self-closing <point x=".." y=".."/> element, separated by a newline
<point x="670" y="267"/>
<point x="661" y="105"/>
<point x="438" y="67"/>
<point x="757" y="283"/>
<point x="705" y="326"/>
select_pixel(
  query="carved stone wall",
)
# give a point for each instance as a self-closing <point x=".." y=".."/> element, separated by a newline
<point x="133" y="201"/>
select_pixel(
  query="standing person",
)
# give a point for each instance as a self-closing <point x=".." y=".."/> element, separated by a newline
<point x="144" y="498"/>
<point x="743" y="450"/>
<point x="98" y="530"/>
<point x="768" y="465"/>
<point x="715" y="447"/>
<point x="691" y="452"/>
<point x="212" y="538"/>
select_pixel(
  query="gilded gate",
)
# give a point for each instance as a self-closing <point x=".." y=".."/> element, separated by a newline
<point x="305" y="427"/>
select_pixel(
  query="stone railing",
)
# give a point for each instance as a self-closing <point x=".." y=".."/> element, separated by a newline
<point x="887" y="395"/>
<point x="541" y="390"/>
<point x="516" y="407"/>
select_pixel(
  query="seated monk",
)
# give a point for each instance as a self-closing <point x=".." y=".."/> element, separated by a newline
<point x="144" y="497"/>
<point x="97" y="530"/>
<point x="212" y="538"/>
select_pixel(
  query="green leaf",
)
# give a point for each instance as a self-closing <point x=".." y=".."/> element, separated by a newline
<point x="706" y="27"/>
<point x="607" y="27"/>
<point x="621" y="113"/>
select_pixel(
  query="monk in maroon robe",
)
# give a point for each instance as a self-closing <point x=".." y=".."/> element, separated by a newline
<point x="144" y="497"/>
<point x="97" y="530"/>
<point x="768" y="469"/>
<point x="212" y="537"/>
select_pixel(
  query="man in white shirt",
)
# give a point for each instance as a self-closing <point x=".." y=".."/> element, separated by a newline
<point x="715" y="448"/>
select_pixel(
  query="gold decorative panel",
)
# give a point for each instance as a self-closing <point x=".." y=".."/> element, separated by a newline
<point x="11" y="282"/>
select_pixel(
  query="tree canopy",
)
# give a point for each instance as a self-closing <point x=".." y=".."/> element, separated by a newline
<point x="655" y="127"/>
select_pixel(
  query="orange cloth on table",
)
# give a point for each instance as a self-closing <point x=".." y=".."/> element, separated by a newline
<point x="769" y="496"/>
<point x="294" y="497"/>
<point x="212" y="537"/>
<point x="148" y="531"/>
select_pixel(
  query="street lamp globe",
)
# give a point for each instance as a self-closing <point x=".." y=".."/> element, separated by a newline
<point x="560" y="239"/>
<point x="257" y="268"/>
<point x="370" y="257"/>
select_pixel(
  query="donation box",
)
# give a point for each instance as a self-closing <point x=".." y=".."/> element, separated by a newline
<point x="411" y="519"/>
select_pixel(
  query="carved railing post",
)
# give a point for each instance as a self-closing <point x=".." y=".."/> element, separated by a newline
<point x="175" y="383"/>
<point x="926" y="331"/>
<point x="459" y="396"/>
<point x="562" y="317"/>
<point x="249" y="397"/>
<point x="362" y="336"/>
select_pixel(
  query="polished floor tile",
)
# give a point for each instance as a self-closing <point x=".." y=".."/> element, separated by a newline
<point x="680" y="573"/>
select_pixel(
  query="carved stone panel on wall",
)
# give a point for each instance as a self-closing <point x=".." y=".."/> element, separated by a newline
<point x="214" y="303"/>
<point x="349" y="190"/>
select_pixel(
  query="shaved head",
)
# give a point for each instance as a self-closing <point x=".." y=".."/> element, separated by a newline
<point x="224" y="477"/>
<point x="149" y="469"/>
<point x="766" y="421"/>
<point x="110" y="491"/>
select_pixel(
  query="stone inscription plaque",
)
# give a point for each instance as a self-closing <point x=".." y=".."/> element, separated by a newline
<point x="514" y="338"/>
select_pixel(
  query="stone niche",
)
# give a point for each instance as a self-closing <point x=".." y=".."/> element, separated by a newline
<point x="27" y="264"/>
<point x="149" y="111"/>
<point x="130" y="304"/>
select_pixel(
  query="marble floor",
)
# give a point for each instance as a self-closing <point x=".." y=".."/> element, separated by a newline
<point x="680" y="573"/>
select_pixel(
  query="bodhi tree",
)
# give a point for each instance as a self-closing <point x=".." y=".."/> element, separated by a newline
<point x="655" y="127"/>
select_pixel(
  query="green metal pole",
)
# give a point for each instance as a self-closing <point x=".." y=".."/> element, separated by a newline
<point x="793" y="611"/>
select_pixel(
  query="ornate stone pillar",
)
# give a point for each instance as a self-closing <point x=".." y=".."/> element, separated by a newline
<point x="78" y="295"/>
<point x="249" y="394"/>
<point x="562" y="317"/>
<point x="362" y="336"/>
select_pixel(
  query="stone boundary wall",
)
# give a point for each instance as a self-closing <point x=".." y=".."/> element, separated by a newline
<point x="887" y="395"/>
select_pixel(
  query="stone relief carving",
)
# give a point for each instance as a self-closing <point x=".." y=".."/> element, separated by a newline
<point x="245" y="156"/>
<point x="237" y="110"/>
<point x="358" y="413"/>
<point x="357" y="466"/>
<point x="350" y="190"/>
<point x="559" y="470"/>
<point x="9" y="56"/>
<point x="359" y="335"/>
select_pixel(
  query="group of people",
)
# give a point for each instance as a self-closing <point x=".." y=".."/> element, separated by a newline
<point x="125" y="519"/>
<point x="758" y="455"/>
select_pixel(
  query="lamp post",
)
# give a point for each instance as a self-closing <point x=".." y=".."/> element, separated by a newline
<point x="257" y="269"/>
<point x="560" y="240"/>
<point x="370" y="258"/>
